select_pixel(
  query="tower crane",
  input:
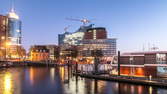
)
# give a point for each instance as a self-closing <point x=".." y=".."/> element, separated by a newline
<point x="84" y="20"/>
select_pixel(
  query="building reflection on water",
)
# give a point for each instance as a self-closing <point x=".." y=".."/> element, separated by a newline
<point x="8" y="84"/>
<point x="10" y="81"/>
<point x="41" y="80"/>
<point x="37" y="74"/>
<point x="77" y="85"/>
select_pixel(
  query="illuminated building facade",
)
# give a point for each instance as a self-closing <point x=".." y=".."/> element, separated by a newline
<point x="14" y="28"/>
<point x="14" y="48"/>
<point x="3" y="36"/>
<point x="96" y="33"/>
<point x="66" y="50"/>
<point x="153" y="57"/>
<point x="68" y="53"/>
<point x="151" y="63"/>
<point x="107" y="46"/>
<point x="54" y="51"/>
<point x="74" y="38"/>
<point x="89" y="38"/>
<point x="44" y="53"/>
<point x="39" y="53"/>
<point x="61" y="38"/>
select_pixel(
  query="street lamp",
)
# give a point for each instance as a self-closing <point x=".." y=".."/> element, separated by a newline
<point x="8" y="44"/>
<point x="3" y="37"/>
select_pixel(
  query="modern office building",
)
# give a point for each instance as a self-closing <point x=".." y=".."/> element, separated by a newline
<point x="107" y="46"/>
<point x="68" y="53"/>
<point x="10" y="37"/>
<point x="61" y="38"/>
<point x="14" y="36"/>
<point x="14" y="24"/>
<point x="89" y="38"/>
<point x="74" y="38"/>
<point x="96" y="33"/>
<point x="3" y="36"/>
<point x="67" y="49"/>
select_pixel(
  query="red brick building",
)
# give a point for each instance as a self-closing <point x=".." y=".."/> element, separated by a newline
<point x="152" y="63"/>
<point x="154" y="57"/>
<point x="96" y="33"/>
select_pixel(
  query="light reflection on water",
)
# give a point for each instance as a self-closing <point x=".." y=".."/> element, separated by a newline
<point x="41" y="80"/>
<point x="8" y="88"/>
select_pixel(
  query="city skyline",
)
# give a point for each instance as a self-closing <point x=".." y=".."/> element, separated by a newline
<point x="142" y="20"/>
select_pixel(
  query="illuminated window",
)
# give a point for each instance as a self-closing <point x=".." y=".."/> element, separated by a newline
<point x="3" y="37"/>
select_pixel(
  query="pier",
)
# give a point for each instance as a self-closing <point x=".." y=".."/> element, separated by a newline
<point x="7" y="64"/>
<point x="127" y="79"/>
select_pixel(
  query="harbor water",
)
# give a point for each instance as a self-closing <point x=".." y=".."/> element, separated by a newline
<point x="59" y="80"/>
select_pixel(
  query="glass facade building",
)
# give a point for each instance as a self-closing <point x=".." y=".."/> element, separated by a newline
<point x="61" y="38"/>
<point x="74" y="38"/>
<point x="88" y="38"/>
<point x="14" y="50"/>
<point x="107" y="46"/>
<point x="14" y="24"/>
<point x="10" y="37"/>
<point x="15" y="31"/>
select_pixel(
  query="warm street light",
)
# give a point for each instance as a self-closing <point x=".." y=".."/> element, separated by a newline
<point x="3" y="37"/>
<point x="8" y="44"/>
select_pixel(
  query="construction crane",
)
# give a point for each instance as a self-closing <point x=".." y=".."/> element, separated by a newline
<point x="66" y="28"/>
<point x="84" y="21"/>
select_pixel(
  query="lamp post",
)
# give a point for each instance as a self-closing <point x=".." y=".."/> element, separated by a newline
<point x="118" y="63"/>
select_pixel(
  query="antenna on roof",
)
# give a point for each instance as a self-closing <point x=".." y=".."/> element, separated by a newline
<point x="12" y="6"/>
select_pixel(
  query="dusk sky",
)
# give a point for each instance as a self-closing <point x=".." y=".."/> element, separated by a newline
<point x="133" y="22"/>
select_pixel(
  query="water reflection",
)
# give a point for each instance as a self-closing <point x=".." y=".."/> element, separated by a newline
<point x="10" y="82"/>
<point x="52" y="74"/>
<point x="41" y="80"/>
<point x="8" y="88"/>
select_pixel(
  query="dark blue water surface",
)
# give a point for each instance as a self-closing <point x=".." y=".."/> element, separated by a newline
<point x="58" y="80"/>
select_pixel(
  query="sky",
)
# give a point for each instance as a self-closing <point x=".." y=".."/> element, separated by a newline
<point x="136" y="24"/>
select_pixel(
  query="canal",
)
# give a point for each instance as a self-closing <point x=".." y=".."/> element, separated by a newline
<point x="59" y="80"/>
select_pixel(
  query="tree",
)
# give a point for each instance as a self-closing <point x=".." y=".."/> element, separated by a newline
<point x="96" y="54"/>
